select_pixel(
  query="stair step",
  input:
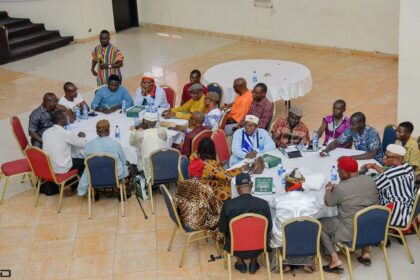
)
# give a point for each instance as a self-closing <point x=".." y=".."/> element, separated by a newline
<point x="24" y="29"/>
<point x="11" y="22"/>
<point x="32" y="38"/>
<point x="39" y="47"/>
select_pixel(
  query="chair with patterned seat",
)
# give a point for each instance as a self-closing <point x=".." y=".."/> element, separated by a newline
<point x="41" y="168"/>
<point x="370" y="229"/>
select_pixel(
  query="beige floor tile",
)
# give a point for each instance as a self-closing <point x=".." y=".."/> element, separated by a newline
<point x="105" y="226"/>
<point x="57" y="268"/>
<point x="170" y="259"/>
<point x="136" y="241"/>
<point x="94" y="245"/>
<point x="179" y="274"/>
<point x="135" y="261"/>
<point x="131" y="225"/>
<point x="11" y="252"/>
<point x="143" y="275"/>
<point x="51" y="250"/>
<point x="24" y="216"/>
<point x="17" y="268"/>
<point x="58" y="231"/>
<point x="94" y="265"/>
<point x="163" y="236"/>
<point x="104" y="208"/>
<point x="97" y="277"/>
<point x="17" y="235"/>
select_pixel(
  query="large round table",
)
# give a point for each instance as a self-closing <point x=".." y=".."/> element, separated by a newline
<point x="310" y="163"/>
<point x="124" y="123"/>
<point x="285" y="80"/>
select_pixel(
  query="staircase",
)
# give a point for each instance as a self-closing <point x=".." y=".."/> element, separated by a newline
<point x="19" y="38"/>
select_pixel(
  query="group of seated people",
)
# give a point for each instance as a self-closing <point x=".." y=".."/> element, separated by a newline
<point x="204" y="199"/>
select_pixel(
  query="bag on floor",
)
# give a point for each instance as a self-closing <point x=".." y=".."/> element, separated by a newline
<point x="140" y="187"/>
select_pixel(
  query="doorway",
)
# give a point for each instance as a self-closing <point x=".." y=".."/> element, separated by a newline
<point x="125" y="14"/>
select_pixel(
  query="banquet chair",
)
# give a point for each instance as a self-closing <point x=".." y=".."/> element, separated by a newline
<point x="19" y="167"/>
<point x="221" y="145"/>
<point x="192" y="235"/>
<point x="217" y="88"/>
<point x="248" y="232"/>
<point x="370" y="229"/>
<point x="301" y="238"/>
<point x="41" y="168"/>
<point x="272" y="119"/>
<point x="102" y="172"/>
<point x="197" y="139"/>
<point x="170" y="95"/>
<point x="163" y="169"/>
<point x="183" y="168"/>
<point x="389" y="136"/>
<point x="223" y="119"/>
<point x="399" y="230"/>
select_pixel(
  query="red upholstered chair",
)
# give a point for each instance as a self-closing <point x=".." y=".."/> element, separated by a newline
<point x="41" y="167"/>
<point x="248" y="232"/>
<point x="170" y="95"/>
<point x="16" y="167"/>
<point x="197" y="139"/>
<point x="223" y="119"/>
<point x="222" y="146"/>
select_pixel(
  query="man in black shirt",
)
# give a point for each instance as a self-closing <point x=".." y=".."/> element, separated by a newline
<point x="245" y="203"/>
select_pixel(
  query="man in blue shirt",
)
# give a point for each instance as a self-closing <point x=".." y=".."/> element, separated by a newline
<point x="364" y="137"/>
<point x="103" y="144"/>
<point x="109" y="99"/>
<point x="250" y="141"/>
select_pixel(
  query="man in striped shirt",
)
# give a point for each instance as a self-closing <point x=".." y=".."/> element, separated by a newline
<point x="396" y="184"/>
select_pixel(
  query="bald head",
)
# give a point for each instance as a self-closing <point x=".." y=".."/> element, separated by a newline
<point x="196" y="119"/>
<point x="50" y="101"/>
<point x="239" y="85"/>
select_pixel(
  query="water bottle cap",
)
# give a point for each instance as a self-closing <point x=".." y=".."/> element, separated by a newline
<point x="116" y="126"/>
<point x="333" y="166"/>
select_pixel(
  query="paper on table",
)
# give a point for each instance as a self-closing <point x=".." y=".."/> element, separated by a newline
<point x="167" y="124"/>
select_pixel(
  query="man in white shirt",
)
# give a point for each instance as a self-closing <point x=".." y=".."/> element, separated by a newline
<point x="150" y="94"/>
<point x="213" y="113"/>
<point x="71" y="97"/>
<point x="58" y="143"/>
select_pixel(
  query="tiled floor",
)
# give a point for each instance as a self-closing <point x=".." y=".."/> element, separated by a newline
<point x="38" y="243"/>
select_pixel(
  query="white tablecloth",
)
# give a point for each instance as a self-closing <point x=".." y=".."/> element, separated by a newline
<point x="310" y="163"/>
<point x="285" y="79"/>
<point x="124" y="123"/>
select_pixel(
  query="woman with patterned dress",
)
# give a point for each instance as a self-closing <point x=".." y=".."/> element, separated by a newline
<point x="109" y="59"/>
<point x="214" y="174"/>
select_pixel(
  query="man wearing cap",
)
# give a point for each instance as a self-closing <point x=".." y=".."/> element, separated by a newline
<point x="195" y="77"/>
<point x="240" y="107"/>
<point x="354" y="193"/>
<point x="250" y="141"/>
<point x="213" y="113"/>
<point x="195" y="104"/>
<point x="109" y="99"/>
<point x="290" y="130"/>
<point x="103" y="144"/>
<point x="147" y="139"/>
<point x="396" y="184"/>
<point x="260" y="106"/>
<point x="364" y="137"/>
<point x="243" y="204"/>
<point x="150" y="94"/>
<point x="196" y="126"/>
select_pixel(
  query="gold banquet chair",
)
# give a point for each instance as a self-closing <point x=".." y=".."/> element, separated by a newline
<point x="370" y="229"/>
<point x="414" y="212"/>
<point x="190" y="234"/>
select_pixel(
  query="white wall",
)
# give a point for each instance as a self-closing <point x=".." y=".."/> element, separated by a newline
<point x="70" y="17"/>
<point x="409" y="64"/>
<point x="369" y="25"/>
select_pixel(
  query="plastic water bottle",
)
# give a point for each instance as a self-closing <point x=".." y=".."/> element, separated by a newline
<point x="117" y="133"/>
<point x="136" y="121"/>
<point x="334" y="175"/>
<point x="280" y="173"/>
<point x="254" y="77"/>
<point x="315" y="141"/>
<point x="283" y="179"/>
<point x="85" y="112"/>
<point x="76" y="110"/>
<point x="67" y="126"/>
<point x="123" y="107"/>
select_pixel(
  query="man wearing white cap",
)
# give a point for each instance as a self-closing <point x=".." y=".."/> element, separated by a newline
<point x="396" y="184"/>
<point x="146" y="140"/>
<point x="250" y="140"/>
<point x="150" y="94"/>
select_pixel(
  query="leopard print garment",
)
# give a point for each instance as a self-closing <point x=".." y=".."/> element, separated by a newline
<point x="198" y="207"/>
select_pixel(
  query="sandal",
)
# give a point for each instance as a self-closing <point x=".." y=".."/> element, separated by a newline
<point x="364" y="261"/>
<point x="308" y="269"/>
<point x="329" y="269"/>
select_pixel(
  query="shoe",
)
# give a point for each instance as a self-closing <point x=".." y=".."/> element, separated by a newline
<point x="96" y="196"/>
<point x="241" y="267"/>
<point x="336" y="269"/>
<point x="253" y="268"/>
